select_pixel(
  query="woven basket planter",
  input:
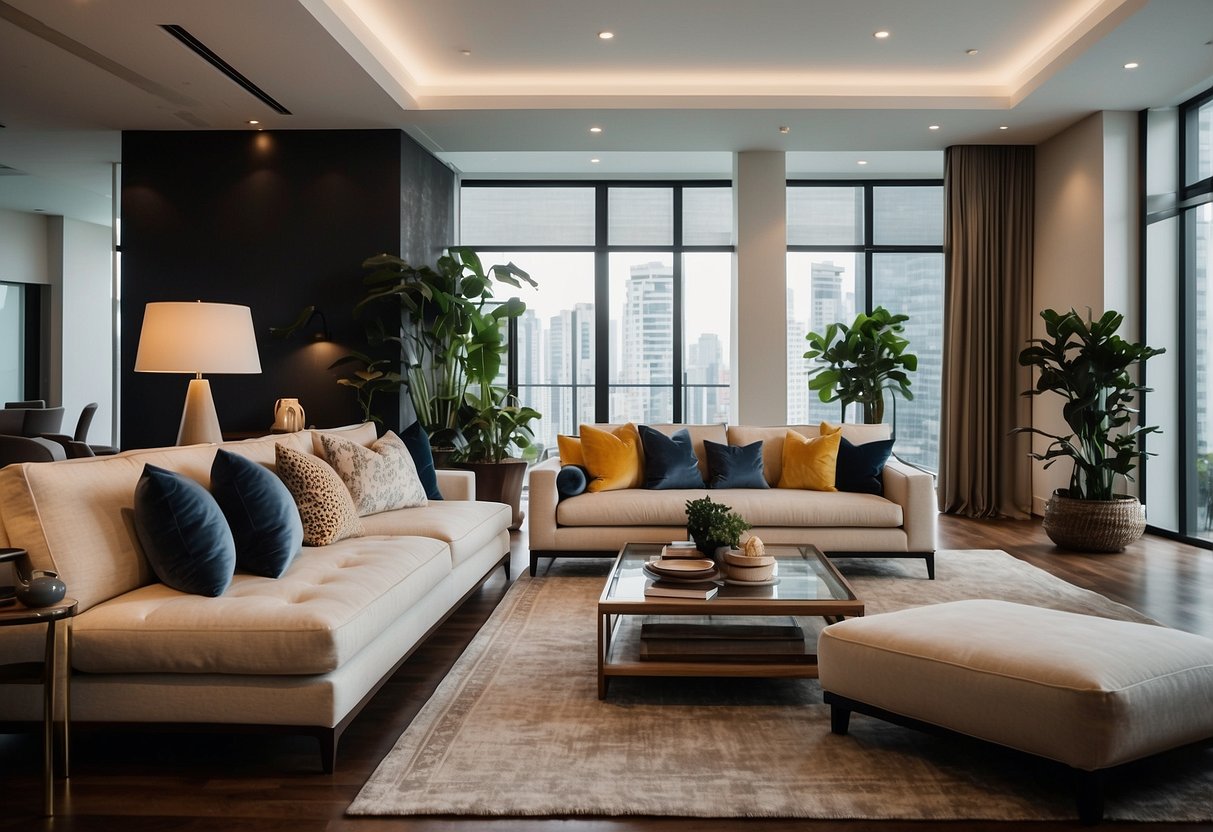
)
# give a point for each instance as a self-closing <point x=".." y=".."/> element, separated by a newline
<point x="1094" y="525"/>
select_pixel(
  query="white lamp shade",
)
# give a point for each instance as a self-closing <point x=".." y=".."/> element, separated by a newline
<point x="197" y="338"/>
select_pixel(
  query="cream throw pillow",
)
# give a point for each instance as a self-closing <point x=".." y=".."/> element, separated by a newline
<point x="324" y="502"/>
<point x="382" y="477"/>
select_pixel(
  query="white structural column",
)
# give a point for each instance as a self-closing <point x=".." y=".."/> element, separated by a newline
<point x="759" y="359"/>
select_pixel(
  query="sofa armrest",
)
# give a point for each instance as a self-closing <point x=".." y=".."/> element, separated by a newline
<point x="541" y="504"/>
<point x="914" y="491"/>
<point x="456" y="484"/>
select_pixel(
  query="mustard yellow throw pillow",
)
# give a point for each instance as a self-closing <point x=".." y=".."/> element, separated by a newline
<point x="570" y="450"/>
<point x="809" y="463"/>
<point x="614" y="459"/>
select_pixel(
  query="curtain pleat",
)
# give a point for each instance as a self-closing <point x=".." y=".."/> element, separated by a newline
<point x="984" y="469"/>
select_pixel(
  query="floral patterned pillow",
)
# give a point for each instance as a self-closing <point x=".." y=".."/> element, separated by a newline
<point x="380" y="478"/>
<point x="324" y="502"/>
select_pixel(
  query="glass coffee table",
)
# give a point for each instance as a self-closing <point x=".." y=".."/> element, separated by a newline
<point x="744" y="630"/>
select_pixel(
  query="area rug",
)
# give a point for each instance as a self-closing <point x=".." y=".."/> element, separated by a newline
<point x="517" y="729"/>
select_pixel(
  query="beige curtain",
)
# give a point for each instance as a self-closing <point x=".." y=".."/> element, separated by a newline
<point x="984" y="469"/>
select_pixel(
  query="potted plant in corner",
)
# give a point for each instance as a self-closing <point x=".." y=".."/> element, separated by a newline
<point x="449" y="320"/>
<point x="857" y="363"/>
<point x="1087" y="364"/>
<point x="492" y="422"/>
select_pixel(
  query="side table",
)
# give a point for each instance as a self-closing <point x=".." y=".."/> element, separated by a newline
<point x="44" y="673"/>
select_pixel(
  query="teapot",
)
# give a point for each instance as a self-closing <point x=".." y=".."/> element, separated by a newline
<point x="288" y="415"/>
<point x="41" y="590"/>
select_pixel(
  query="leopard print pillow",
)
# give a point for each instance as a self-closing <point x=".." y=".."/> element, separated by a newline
<point x="324" y="503"/>
<point x="382" y="477"/>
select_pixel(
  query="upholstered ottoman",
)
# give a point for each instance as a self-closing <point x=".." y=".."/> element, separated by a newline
<point x="1088" y="692"/>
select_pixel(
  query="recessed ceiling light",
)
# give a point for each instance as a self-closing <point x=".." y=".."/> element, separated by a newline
<point x="1132" y="65"/>
<point x="595" y="129"/>
<point x="1003" y="127"/>
<point x="970" y="52"/>
<point x="932" y="126"/>
<point x="783" y="128"/>
<point x="595" y="160"/>
<point x="881" y="35"/>
<point x="253" y="121"/>
<point x="605" y="35"/>
<point x="862" y="162"/>
<point x="465" y="52"/>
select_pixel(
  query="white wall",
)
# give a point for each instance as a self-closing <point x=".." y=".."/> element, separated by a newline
<point x="759" y="359"/>
<point x="1086" y="253"/>
<point x="82" y="354"/>
<point x="23" y="247"/>
<point x="75" y="259"/>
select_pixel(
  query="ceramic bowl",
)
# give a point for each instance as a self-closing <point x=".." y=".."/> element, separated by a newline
<point x="762" y="572"/>
<point x="736" y="558"/>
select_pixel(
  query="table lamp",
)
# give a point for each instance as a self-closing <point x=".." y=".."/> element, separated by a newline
<point x="197" y="338"/>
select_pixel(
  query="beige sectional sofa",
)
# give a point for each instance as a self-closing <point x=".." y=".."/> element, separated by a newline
<point x="901" y="523"/>
<point x="300" y="653"/>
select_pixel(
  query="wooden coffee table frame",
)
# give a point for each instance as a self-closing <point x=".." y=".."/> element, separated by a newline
<point x="618" y="640"/>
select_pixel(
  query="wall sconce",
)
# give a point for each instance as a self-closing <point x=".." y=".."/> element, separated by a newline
<point x="309" y="314"/>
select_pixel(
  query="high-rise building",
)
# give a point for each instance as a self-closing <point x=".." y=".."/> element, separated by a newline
<point x="570" y="370"/>
<point x="647" y="348"/>
<point x="704" y="370"/>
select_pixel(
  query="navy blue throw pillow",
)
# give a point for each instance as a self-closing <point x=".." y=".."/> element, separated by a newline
<point x="183" y="533"/>
<point x="570" y="481"/>
<point x="669" y="461"/>
<point x="260" y="511"/>
<point x="860" y="467"/>
<point x="418" y="443"/>
<point x="735" y="466"/>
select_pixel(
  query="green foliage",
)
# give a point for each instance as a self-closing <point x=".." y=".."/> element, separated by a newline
<point x="1087" y="364"/>
<point x="857" y="363"/>
<point x="451" y="336"/>
<point x="497" y="425"/>
<point x="715" y="522"/>
<point x="372" y="377"/>
<point x="441" y="326"/>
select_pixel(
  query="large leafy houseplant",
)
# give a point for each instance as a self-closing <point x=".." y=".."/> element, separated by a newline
<point x="1087" y="364"/>
<point x="450" y="335"/>
<point x="857" y="363"/>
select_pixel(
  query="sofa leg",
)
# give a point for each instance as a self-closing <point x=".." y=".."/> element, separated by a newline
<point x="534" y="564"/>
<point x="505" y="564"/>
<point x="1088" y="796"/>
<point x="930" y="559"/>
<point x="328" y="750"/>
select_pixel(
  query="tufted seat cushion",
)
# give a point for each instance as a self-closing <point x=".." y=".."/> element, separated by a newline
<point x="466" y="526"/>
<point x="332" y="602"/>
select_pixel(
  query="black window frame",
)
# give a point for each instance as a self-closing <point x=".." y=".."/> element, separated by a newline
<point x="602" y="250"/>
<point x="868" y="247"/>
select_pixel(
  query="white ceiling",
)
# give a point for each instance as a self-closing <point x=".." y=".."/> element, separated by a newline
<point x="682" y="86"/>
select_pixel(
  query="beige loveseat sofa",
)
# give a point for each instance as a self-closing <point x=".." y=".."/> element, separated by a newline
<point x="901" y="523"/>
<point x="300" y="653"/>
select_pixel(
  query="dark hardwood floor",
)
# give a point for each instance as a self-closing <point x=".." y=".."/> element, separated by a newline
<point x="215" y="781"/>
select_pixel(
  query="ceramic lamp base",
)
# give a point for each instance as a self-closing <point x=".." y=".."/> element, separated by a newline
<point x="199" y="422"/>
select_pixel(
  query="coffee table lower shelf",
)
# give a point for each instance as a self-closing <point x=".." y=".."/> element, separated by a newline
<point x="622" y="652"/>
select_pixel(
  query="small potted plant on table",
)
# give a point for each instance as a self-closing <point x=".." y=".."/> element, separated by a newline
<point x="714" y="525"/>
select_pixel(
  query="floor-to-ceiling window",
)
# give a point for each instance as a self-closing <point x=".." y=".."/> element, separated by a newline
<point x="631" y="317"/>
<point x="859" y="245"/>
<point x="1176" y="286"/>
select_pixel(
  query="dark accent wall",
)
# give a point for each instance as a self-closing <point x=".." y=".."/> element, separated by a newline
<point x="275" y="221"/>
